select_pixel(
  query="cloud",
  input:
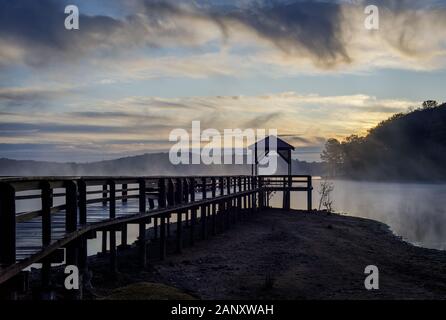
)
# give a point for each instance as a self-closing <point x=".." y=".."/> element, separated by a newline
<point x="34" y="31"/>
<point x="323" y="34"/>
<point x="142" y="124"/>
<point x="12" y="98"/>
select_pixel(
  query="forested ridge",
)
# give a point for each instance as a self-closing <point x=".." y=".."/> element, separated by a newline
<point x="407" y="146"/>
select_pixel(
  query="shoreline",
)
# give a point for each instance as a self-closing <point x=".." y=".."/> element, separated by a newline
<point x="288" y="255"/>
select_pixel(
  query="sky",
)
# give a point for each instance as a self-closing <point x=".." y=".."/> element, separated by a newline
<point x="137" y="69"/>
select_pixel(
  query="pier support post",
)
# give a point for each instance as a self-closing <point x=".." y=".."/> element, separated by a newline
<point x="142" y="245"/>
<point x="124" y="188"/>
<point x="155" y="228"/>
<point x="104" y="242"/>
<point x="203" y="211"/>
<point x="82" y="187"/>
<point x="47" y="203"/>
<point x="104" y="195"/>
<point x="310" y="194"/>
<point x="245" y="188"/>
<point x="162" y="193"/>
<point x="142" y="241"/>
<point x="213" y="207"/>
<point x="239" y="199"/>
<point x="179" y="234"/>
<point x="71" y="226"/>
<point x="7" y="225"/>
<point x="163" y="238"/>
<point x="112" y="232"/>
<point x="113" y="254"/>
<point x="84" y="275"/>
<point x="124" y="240"/>
<point x="193" y="217"/>
<point x="71" y="206"/>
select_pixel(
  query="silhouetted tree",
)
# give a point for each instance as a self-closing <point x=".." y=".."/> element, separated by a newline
<point x="406" y="146"/>
<point x="430" y="104"/>
<point x="332" y="155"/>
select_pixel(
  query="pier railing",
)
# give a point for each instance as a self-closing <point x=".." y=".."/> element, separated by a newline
<point x="41" y="215"/>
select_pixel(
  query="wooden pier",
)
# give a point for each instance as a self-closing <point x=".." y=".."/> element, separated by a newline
<point x="48" y="220"/>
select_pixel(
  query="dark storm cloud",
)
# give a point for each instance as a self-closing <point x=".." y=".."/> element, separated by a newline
<point x="32" y="32"/>
<point x="303" y="27"/>
<point x="300" y="27"/>
<point x="38" y="28"/>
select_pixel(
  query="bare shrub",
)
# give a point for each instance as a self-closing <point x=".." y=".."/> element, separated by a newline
<point x="325" y="190"/>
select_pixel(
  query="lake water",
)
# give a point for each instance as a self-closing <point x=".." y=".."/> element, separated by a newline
<point x="416" y="212"/>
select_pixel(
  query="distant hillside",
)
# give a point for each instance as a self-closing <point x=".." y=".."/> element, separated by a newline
<point x="407" y="146"/>
<point x="143" y="165"/>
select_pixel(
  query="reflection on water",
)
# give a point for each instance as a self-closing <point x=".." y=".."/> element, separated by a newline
<point x="417" y="212"/>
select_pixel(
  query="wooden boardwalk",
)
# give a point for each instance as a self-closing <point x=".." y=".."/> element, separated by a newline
<point x="40" y="216"/>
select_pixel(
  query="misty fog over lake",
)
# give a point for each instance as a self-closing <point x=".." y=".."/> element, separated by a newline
<point x="414" y="211"/>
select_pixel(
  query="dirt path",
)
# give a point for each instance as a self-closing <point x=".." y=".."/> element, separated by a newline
<point x="296" y="255"/>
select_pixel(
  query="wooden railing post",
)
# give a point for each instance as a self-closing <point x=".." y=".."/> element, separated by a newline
<point x="142" y="196"/>
<point x="193" y="218"/>
<point x="310" y="194"/>
<point x="142" y="242"/>
<point x="112" y="232"/>
<point x="82" y="186"/>
<point x="244" y="189"/>
<point x="284" y="194"/>
<point x="228" y="185"/>
<point x="179" y="235"/>
<point x="251" y="196"/>
<point x="104" y="194"/>
<point x="162" y="193"/>
<point x="214" y="206"/>
<point x="163" y="237"/>
<point x="163" y="225"/>
<point x="124" y="193"/>
<point x="81" y="243"/>
<point x="170" y="193"/>
<point x="185" y="191"/>
<point x="71" y="206"/>
<point x="203" y="218"/>
<point x="221" y="186"/>
<point x="72" y="248"/>
<point x="112" y="196"/>
<point x="124" y="241"/>
<point x="186" y="197"/>
<point x="47" y="203"/>
<point x="261" y="194"/>
<point x="7" y="225"/>
<point x="254" y="195"/>
<point x="179" y="198"/>
<point x="239" y="198"/>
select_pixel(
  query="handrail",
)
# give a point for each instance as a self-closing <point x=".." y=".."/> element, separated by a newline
<point x="174" y="194"/>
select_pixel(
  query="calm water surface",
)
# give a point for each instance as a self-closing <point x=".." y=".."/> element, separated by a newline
<point x="416" y="212"/>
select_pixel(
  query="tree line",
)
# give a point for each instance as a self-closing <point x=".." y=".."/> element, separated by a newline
<point x="407" y="146"/>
